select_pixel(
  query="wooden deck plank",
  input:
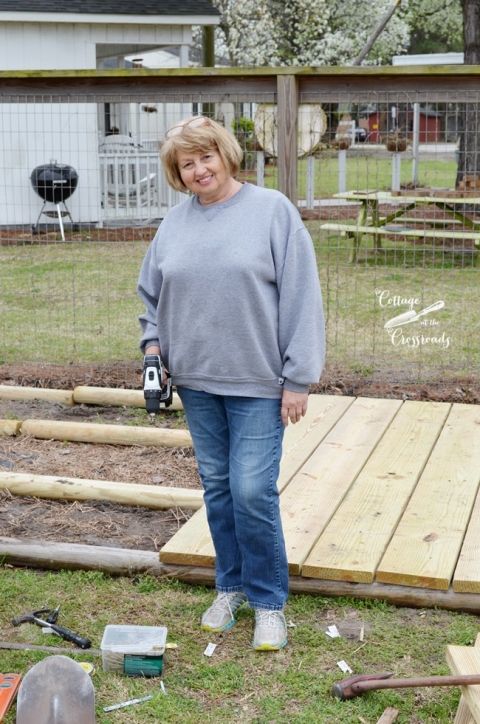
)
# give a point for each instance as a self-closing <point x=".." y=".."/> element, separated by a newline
<point x="310" y="500"/>
<point x="192" y="544"/>
<point x="466" y="578"/>
<point x="354" y="541"/>
<point x="424" y="549"/>
<point x="465" y="660"/>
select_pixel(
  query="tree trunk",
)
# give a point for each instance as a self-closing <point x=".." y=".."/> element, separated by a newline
<point x="468" y="171"/>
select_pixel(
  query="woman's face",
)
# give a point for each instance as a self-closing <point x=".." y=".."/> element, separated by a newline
<point x="204" y="174"/>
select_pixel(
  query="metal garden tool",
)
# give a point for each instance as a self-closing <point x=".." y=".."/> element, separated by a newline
<point x="56" y="691"/>
<point x="361" y="683"/>
<point x="50" y="622"/>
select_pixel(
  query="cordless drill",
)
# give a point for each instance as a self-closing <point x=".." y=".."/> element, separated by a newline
<point x="155" y="390"/>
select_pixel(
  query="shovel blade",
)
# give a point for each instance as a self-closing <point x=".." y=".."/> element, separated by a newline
<point x="56" y="691"/>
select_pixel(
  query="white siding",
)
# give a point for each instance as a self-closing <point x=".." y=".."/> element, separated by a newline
<point x="54" y="46"/>
<point x="36" y="133"/>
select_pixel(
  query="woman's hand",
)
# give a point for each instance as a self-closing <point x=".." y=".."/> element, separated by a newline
<point x="155" y="349"/>
<point x="294" y="406"/>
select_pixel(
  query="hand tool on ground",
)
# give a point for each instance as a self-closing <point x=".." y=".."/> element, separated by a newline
<point x="361" y="683"/>
<point x="49" y="622"/>
<point x="56" y="691"/>
<point x="14" y="646"/>
<point x="157" y="385"/>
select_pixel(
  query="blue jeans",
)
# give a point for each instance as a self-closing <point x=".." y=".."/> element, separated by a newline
<point x="238" y="446"/>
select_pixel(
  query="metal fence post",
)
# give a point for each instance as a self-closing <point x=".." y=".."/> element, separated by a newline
<point x="287" y="102"/>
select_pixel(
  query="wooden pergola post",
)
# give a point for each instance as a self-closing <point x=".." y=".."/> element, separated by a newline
<point x="287" y="109"/>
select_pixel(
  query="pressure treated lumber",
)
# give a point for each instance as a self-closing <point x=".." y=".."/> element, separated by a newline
<point x="389" y="716"/>
<point x="425" y="546"/>
<point x="13" y="392"/>
<point x="463" y="715"/>
<point x="354" y="541"/>
<point x="121" y="561"/>
<point x="311" y="498"/>
<point x="108" y="434"/>
<point x="192" y="544"/>
<point x="466" y="578"/>
<point x="64" y="488"/>
<point x="109" y="396"/>
<point x="10" y="427"/>
<point x="464" y="660"/>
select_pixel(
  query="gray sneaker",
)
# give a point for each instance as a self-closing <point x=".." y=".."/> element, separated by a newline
<point x="221" y="614"/>
<point x="270" y="630"/>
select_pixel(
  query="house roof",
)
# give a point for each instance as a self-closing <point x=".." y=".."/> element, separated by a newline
<point x="111" y="7"/>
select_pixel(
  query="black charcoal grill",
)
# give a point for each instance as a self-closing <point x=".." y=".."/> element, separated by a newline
<point x="54" y="183"/>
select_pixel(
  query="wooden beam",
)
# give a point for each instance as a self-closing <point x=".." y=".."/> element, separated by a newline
<point x="14" y="392"/>
<point x="109" y="396"/>
<point x="463" y="715"/>
<point x="287" y="111"/>
<point x="64" y="488"/>
<point x="464" y="660"/>
<point x="125" y="562"/>
<point x="10" y="427"/>
<point x="107" y="434"/>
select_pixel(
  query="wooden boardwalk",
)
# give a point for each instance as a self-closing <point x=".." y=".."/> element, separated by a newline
<point x="373" y="491"/>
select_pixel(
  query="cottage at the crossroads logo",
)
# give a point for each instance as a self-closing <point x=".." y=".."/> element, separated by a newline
<point x="424" y="329"/>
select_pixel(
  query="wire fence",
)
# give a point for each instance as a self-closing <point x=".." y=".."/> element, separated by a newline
<point x="386" y="180"/>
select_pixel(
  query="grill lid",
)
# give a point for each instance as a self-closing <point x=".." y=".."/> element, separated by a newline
<point x="54" y="182"/>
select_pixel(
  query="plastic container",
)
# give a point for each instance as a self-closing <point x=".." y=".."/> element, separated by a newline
<point x="119" y="642"/>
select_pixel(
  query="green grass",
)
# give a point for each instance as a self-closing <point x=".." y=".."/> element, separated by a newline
<point x="366" y="172"/>
<point x="237" y="683"/>
<point x="68" y="303"/>
<point x="355" y="318"/>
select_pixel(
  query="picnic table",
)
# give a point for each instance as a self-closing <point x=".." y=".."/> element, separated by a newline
<point x="371" y="221"/>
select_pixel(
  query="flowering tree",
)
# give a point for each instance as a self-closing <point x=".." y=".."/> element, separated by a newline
<point x="305" y="32"/>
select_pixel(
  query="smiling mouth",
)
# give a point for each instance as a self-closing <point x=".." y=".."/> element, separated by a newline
<point x="204" y="180"/>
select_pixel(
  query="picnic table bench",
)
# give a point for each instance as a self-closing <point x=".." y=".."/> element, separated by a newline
<point x="370" y="221"/>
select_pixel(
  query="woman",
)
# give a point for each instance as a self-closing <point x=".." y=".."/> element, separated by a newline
<point x="233" y="306"/>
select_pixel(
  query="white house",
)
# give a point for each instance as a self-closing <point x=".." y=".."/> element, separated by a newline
<point x="87" y="34"/>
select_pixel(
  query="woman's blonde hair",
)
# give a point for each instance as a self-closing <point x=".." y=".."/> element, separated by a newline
<point x="193" y="136"/>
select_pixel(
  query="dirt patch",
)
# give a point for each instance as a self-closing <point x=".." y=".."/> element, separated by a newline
<point x="333" y="382"/>
<point x="92" y="523"/>
<point x="101" y="523"/>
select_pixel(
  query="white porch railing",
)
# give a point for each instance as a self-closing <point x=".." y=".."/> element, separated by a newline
<point x="133" y="185"/>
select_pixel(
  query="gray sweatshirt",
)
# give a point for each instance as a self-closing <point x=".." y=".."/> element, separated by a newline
<point x="232" y="296"/>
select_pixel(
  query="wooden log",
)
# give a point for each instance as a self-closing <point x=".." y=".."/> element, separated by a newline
<point x="63" y="488"/>
<point x="109" y="396"/>
<point x="125" y="562"/>
<point x="107" y="434"/>
<point x="10" y="427"/>
<point x="60" y="397"/>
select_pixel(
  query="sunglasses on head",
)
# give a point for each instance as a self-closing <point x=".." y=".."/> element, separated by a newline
<point x="195" y="122"/>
